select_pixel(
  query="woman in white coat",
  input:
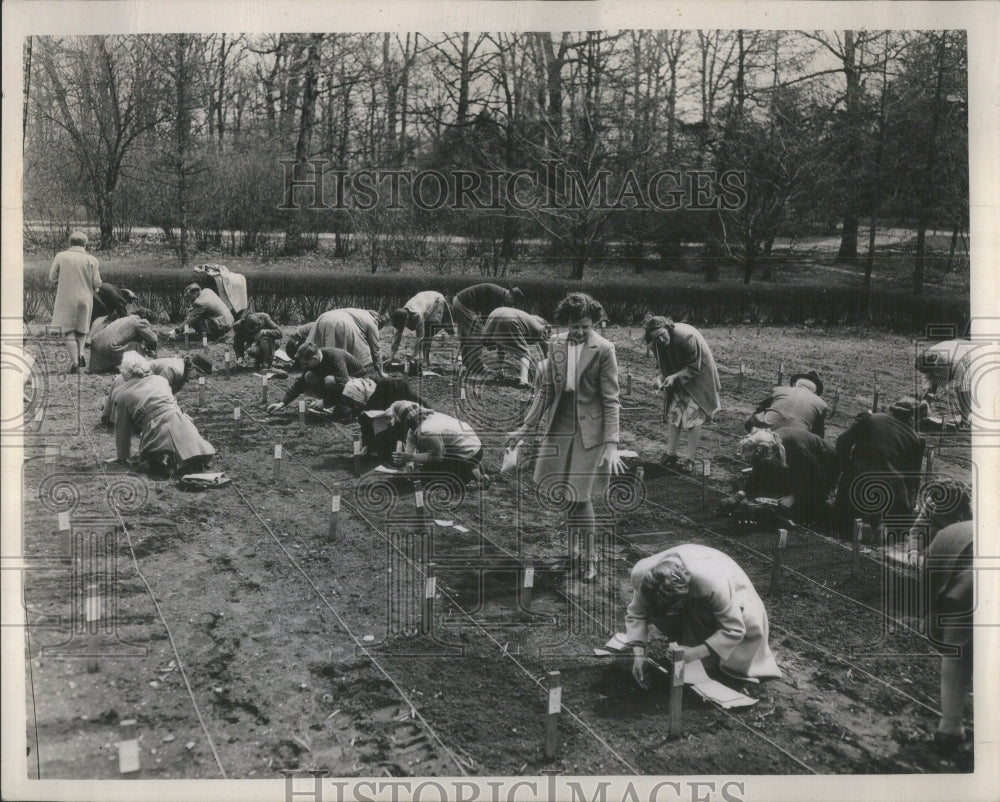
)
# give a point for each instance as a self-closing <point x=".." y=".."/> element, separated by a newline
<point x="700" y="598"/>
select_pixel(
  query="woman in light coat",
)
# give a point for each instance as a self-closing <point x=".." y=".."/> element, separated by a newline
<point x="145" y="405"/>
<point x="77" y="277"/>
<point x="689" y="377"/>
<point x="579" y="408"/>
<point x="700" y="598"/>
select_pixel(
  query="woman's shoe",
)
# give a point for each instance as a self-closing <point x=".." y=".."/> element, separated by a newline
<point x="669" y="460"/>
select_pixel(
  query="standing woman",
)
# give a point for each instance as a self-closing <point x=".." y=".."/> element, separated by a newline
<point x="579" y="410"/>
<point x="76" y="276"/>
<point x="690" y="379"/>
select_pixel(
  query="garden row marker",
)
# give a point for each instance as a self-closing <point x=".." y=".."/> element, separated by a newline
<point x="676" y="692"/>
<point x="929" y="467"/>
<point x="628" y="383"/>
<point x="263" y="388"/>
<point x="640" y="476"/>
<point x="187" y="339"/>
<point x="779" y="546"/>
<point x="236" y="420"/>
<point x="65" y="533"/>
<point x="51" y="452"/>
<point x="781" y="372"/>
<point x="461" y="393"/>
<point x="334" y="510"/>
<point x="92" y="616"/>
<point x="427" y="609"/>
<point x="856" y="546"/>
<point x="204" y="342"/>
<point x="302" y="417"/>
<point x="552" y="717"/>
<point x="527" y="584"/>
<point x="418" y="498"/>
<point x="227" y="365"/>
<point x="201" y="391"/>
<point x="874" y="392"/>
<point x="706" y="471"/>
<point x="277" y="461"/>
<point x="836" y="400"/>
<point x="739" y="379"/>
<point x="128" y="748"/>
<point x="357" y="455"/>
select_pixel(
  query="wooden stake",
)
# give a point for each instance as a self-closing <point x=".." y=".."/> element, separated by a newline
<point x="65" y="534"/>
<point x="228" y="364"/>
<point x="836" y="400"/>
<point x="237" y="414"/>
<point x="706" y="471"/>
<point x="263" y="389"/>
<point x="929" y="468"/>
<point x="204" y="342"/>
<point x="201" y="391"/>
<point x="739" y="379"/>
<point x="187" y="340"/>
<point x="875" y="393"/>
<point x="779" y="547"/>
<point x="357" y="455"/>
<point x="302" y="417"/>
<point x="334" y="510"/>
<point x="527" y="584"/>
<point x="128" y="748"/>
<point x="859" y="528"/>
<point x="676" y="692"/>
<point x="781" y="373"/>
<point x="427" y="609"/>
<point x="552" y="716"/>
<point x="92" y="609"/>
<point x="418" y="498"/>
<point x="277" y="461"/>
<point x="51" y="452"/>
<point x="628" y="383"/>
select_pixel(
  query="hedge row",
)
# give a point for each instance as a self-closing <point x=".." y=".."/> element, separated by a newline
<point x="297" y="297"/>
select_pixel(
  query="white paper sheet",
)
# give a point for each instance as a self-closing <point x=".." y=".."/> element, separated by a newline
<point x="386" y="469"/>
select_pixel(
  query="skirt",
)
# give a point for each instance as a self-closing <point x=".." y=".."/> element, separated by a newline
<point x="566" y="470"/>
<point x="684" y="412"/>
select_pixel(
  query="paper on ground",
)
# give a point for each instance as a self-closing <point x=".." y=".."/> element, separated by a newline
<point x="385" y="469"/>
<point x="280" y="354"/>
<point x="440" y="522"/>
<point x="460" y="528"/>
<point x="617" y="643"/>
<point x="628" y="454"/>
<point x="429" y="373"/>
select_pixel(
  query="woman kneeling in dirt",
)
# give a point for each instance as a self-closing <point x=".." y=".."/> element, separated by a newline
<point x="439" y="443"/>
<point x="701" y="599"/>
<point x="791" y="465"/>
<point x="349" y="398"/>
<point x="168" y="439"/>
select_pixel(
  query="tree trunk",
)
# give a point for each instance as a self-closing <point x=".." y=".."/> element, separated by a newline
<point x="849" y="235"/>
<point x="294" y="244"/>
<point x="927" y="188"/>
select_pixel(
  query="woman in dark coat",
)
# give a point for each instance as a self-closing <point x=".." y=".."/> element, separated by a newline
<point x="321" y="367"/>
<point x="689" y="377"/>
<point x="514" y="330"/>
<point x="879" y="453"/>
<point x="579" y="410"/>
<point x="791" y="465"/>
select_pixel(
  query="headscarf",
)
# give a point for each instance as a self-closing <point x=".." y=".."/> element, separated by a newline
<point x="765" y="445"/>
<point x="134" y="366"/>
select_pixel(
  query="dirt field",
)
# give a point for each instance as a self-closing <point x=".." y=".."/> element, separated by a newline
<point x="244" y="639"/>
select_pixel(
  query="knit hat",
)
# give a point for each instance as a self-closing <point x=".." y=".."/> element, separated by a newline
<point x="810" y="375"/>
<point x="904" y="408"/>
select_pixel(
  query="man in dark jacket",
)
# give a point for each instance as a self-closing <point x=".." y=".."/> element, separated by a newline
<point x="471" y="307"/>
<point x="797" y="405"/>
<point x="879" y="454"/>
<point x="321" y="367"/>
<point x="257" y="335"/>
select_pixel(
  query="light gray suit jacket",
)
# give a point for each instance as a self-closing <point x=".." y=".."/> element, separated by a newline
<point x="597" y="402"/>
